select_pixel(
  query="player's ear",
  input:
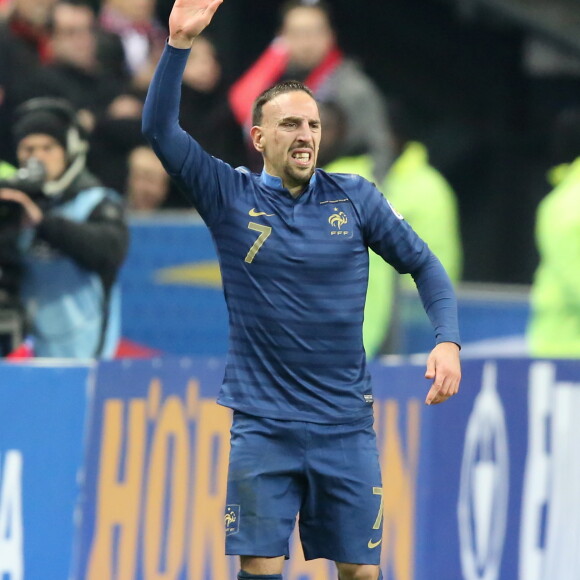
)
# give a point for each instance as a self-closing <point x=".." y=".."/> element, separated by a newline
<point x="257" y="138"/>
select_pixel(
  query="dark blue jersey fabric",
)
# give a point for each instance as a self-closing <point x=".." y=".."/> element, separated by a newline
<point x="294" y="271"/>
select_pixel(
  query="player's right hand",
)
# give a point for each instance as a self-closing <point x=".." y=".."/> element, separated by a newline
<point x="444" y="368"/>
<point x="188" y="18"/>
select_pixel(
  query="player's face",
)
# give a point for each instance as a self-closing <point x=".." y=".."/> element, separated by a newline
<point x="289" y="138"/>
<point x="47" y="150"/>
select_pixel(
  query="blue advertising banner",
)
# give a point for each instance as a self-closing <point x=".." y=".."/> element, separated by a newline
<point x="473" y="453"/>
<point x="171" y="287"/>
<point x="42" y="419"/>
<point x="483" y="487"/>
<point x="156" y="469"/>
<point x="499" y="475"/>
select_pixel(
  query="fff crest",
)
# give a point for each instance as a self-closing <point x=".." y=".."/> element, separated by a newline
<point x="337" y="220"/>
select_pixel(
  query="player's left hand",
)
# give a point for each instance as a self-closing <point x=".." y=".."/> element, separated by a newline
<point x="33" y="215"/>
<point x="444" y="368"/>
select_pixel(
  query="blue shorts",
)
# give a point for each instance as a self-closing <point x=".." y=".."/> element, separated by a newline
<point x="328" y="474"/>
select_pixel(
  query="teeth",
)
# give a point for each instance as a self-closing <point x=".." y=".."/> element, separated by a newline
<point x="301" y="156"/>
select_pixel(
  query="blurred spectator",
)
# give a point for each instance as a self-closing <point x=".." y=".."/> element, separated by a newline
<point x="4" y="8"/>
<point x="73" y="236"/>
<point x="116" y="132"/>
<point x="424" y="197"/>
<point x="4" y="113"/>
<point x="27" y="25"/>
<point x="24" y="46"/>
<point x="147" y="181"/>
<point x="554" y="326"/>
<point x="136" y="24"/>
<point x="205" y="112"/>
<point x="380" y="300"/>
<point x="334" y="122"/>
<point x="306" y="50"/>
<point x="74" y="71"/>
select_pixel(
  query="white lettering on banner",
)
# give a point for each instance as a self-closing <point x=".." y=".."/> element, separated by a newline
<point x="536" y="481"/>
<point x="484" y="486"/>
<point x="550" y="524"/>
<point x="11" y="529"/>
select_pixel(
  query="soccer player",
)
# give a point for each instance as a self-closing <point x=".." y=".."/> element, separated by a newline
<point x="293" y="247"/>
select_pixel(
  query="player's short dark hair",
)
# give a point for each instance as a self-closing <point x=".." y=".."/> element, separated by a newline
<point x="321" y="5"/>
<point x="280" y="88"/>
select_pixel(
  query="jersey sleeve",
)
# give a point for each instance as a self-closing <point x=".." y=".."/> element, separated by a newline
<point x="207" y="181"/>
<point x="390" y="236"/>
<point x="387" y="233"/>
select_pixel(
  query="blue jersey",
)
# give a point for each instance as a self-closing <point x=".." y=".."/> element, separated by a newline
<point x="294" y="271"/>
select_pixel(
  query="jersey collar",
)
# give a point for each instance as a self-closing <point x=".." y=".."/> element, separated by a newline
<point x="276" y="182"/>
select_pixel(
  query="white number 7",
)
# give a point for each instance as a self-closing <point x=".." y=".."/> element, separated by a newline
<point x="265" y="231"/>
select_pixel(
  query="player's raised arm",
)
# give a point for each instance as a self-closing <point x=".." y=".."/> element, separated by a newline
<point x="188" y="19"/>
<point x="184" y="159"/>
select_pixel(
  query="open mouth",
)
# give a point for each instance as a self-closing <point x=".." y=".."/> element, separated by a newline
<point x="302" y="158"/>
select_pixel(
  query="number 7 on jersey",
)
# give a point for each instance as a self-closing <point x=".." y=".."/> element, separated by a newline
<point x="265" y="231"/>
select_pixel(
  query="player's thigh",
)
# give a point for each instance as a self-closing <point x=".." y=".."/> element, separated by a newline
<point x="265" y="486"/>
<point x="341" y="517"/>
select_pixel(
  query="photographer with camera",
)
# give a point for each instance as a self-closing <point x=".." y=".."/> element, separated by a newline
<point x="72" y="235"/>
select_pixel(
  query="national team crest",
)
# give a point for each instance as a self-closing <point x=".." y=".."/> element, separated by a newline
<point x="232" y="519"/>
<point x="338" y="220"/>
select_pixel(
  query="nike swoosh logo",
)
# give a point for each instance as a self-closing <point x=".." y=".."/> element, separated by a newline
<point x="255" y="213"/>
<point x="372" y="544"/>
